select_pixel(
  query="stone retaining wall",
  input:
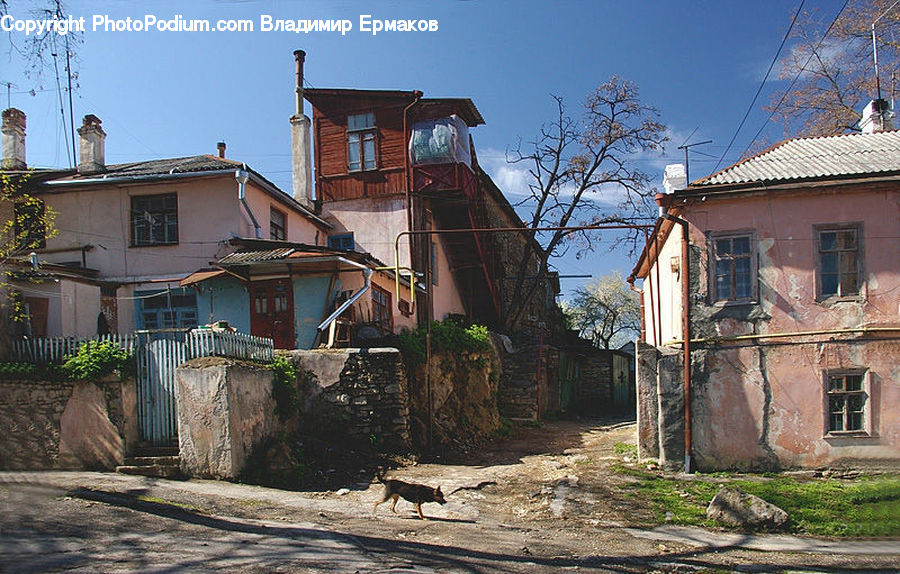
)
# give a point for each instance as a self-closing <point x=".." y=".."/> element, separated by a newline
<point x="66" y="425"/>
<point x="356" y="393"/>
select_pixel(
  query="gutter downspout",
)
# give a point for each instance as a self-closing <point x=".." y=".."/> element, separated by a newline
<point x="242" y="178"/>
<point x="408" y="175"/>
<point x="367" y="274"/>
<point x="686" y="332"/>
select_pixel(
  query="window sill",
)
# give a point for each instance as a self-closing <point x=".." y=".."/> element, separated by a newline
<point x="832" y="300"/>
<point x="851" y="438"/>
<point x="736" y="303"/>
<point x="153" y="244"/>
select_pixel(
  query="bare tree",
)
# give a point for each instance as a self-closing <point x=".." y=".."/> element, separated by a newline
<point x="582" y="173"/>
<point x="833" y="75"/>
<point x="605" y="311"/>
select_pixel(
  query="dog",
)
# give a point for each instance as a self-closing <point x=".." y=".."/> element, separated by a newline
<point x="418" y="494"/>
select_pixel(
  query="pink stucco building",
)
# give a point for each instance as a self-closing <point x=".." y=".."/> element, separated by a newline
<point x="793" y="304"/>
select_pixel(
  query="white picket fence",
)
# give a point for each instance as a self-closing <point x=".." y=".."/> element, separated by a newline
<point x="199" y="342"/>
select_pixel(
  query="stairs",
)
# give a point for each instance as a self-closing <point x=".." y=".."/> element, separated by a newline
<point x="156" y="461"/>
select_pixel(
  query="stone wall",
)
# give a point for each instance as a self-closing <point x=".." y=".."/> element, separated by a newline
<point x="66" y="425"/>
<point x="595" y="384"/>
<point x="357" y="393"/>
<point x="529" y="383"/>
<point x="660" y="408"/>
<point x="465" y="390"/>
<point x="225" y="410"/>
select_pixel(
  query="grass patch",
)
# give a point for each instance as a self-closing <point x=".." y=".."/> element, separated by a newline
<point x="625" y="449"/>
<point x="155" y="500"/>
<point x="865" y="507"/>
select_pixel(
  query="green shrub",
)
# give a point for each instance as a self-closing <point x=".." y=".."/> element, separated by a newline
<point x="96" y="359"/>
<point x="284" y="389"/>
<point x="448" y="335"/>
<point x="13" y="371"/>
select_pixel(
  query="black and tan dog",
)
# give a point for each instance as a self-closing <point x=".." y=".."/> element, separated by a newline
<point x="418" y="494"/>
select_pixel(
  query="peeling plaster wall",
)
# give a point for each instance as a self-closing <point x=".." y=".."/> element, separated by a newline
<point x="761" y="403"/>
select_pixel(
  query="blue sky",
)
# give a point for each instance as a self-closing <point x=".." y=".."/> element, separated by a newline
<point x="169" y="94"/>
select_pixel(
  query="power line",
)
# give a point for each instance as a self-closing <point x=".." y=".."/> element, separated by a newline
<point x="797" y="77"/>
<point x="763" y="83"/>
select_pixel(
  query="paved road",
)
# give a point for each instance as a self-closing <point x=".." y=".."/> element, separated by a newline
<point x="89" y="522"/>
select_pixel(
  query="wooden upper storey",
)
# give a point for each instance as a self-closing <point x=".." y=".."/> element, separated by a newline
<point x="345" y="168"/>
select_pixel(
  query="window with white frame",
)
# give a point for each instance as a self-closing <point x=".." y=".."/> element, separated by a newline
<point x="361" y="142"/>
<point x="847" y="401"/>
<point x="839" y="261"/>
<point x="733" y="266"/>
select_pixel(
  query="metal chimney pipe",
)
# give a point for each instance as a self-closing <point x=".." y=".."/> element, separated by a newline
<point x="299" y="57"/>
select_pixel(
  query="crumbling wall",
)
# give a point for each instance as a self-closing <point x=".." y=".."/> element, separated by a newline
<point x="225" y="410"/>
<point x="464" y="388"/>
<point x="356" y="393"/>
<point x="66" y="425"/>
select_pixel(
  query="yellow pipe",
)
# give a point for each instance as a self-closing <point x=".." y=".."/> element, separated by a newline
<point x="846" y="331"/>
<point x="396" y="269"/>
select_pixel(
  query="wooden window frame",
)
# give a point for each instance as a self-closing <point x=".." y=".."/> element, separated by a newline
<point x="818" y="231"/>
<point x="336" y="241"/>
<point x="714" y="257"/>
<point x="864" y="391"/>
<point x="382" y="309"/>
<point x="139" y="218"/>
<point x="363" y="134"/>
<point x="274" y="228"/>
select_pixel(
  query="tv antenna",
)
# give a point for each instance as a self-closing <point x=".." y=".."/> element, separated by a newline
<point x="686" y="146"/>
<point x="875" y="47"/>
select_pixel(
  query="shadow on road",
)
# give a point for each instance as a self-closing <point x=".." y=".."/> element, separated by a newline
<point x="432" y="555"/>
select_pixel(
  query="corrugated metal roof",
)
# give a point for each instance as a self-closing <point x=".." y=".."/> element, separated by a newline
<point x="247" y="257"/>
<point x="190" y="164"/>
<point x="816" y="157"/>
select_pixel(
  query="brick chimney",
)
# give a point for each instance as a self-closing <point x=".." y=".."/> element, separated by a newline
<point x="91" y="146"/>
<point x="300" y="145"/>
<point x="877" y="117"/>
<point x="13" y="139"/>
<point x="220" y="146"/>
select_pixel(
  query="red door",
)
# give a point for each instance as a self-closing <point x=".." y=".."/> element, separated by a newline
<point x="272" y="311"/>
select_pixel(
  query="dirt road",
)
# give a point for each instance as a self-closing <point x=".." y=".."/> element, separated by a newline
<point x="542" y="501"/>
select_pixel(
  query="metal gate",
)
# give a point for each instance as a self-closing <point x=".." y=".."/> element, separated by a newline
<point x="158" y="354"/>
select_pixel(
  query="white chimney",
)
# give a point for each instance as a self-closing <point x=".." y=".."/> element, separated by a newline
<point x="877" y="117"/>
<point x="675" y="177"/>
<point x="300" y="144"/>
<point x="13" y="139"/>
<point x="91" y="146"/>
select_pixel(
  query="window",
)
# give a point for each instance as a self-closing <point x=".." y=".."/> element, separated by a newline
<point x="847" y="400"/>
<point x="361" y="142"/>
<point x="381" y="309"/>
<point x="176" y="308"/>
<point x="344" y="242"/>
<point x="154" y="220"/>
<point x="30" y="229"/>
<point x="277" y="224"/>
<point x="839" y="261"/>
<point x="733" y="267"/>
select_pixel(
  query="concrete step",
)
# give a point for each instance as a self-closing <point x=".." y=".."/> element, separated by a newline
<point x="152" y="460"/>
<point x="154" y="470"/>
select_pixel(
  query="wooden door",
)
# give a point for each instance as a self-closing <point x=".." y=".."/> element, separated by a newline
<point x="272" y="311"/>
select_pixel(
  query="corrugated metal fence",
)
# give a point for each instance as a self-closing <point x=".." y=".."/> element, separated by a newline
<point x="157" y="354"/>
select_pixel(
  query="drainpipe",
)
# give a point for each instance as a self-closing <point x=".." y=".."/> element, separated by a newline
<point x="242" y="178"/>
<point x="408" y="175"/>
<point x="686" y="332"/>
<point x="367" y="274"/>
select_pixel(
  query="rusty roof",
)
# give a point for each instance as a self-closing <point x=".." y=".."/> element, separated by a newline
<point x="826" y="157"/>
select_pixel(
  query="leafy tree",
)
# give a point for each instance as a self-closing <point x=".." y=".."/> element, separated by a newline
<point x="835" y="73"/>
<point x="25" y="223"/>
<point x="605" y="311"/>
<point x="581" y="172"/>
